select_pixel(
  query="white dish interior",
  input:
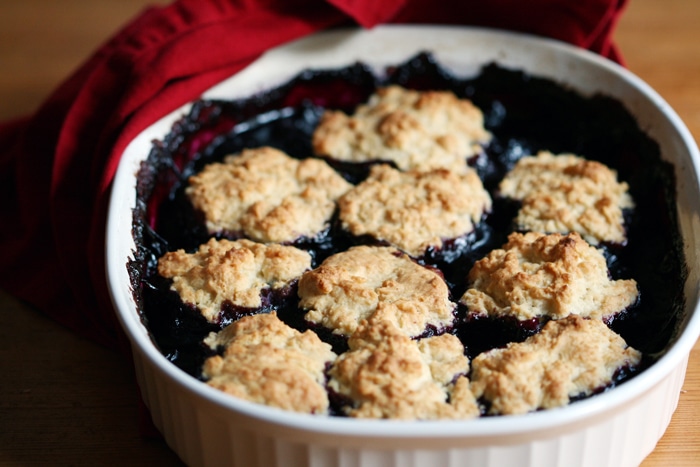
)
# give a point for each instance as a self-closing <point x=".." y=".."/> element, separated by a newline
<point x="618" y="427"/>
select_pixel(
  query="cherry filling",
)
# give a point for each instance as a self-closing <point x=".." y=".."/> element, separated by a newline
<point x="525" y="114"/>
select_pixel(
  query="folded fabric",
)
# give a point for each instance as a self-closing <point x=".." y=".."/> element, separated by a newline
<point x="56" y="166"/>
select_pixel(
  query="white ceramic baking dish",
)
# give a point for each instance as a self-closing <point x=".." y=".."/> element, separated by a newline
<point x="620" y="427"/>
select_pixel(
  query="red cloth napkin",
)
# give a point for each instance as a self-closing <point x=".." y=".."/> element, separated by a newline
<point x="56" y="166"/>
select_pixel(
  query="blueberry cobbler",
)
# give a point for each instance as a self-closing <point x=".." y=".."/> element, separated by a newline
<point x="411" y="246"/>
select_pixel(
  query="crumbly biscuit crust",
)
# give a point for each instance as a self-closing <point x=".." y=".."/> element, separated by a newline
<point x="387" y="374"/>
<point x="539" y="275"/>
<point x="414" y="210"/>
<point x="235" y="271"/>
<point x="566" y="193"/>
<point x="568" y="358"/>
<point x="268" y="362"/>
<point x="412" y="129"/>
<point x="266" y="195"/>
<point x="365" y="281"/>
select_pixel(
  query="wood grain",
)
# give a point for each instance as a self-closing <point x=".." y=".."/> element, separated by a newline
<point x="67" y="401"/>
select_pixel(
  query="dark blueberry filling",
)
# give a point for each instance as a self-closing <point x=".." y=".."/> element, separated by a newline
<point x="271" y="299"/>
<point x="482" y="333"/>
<point x="177" y="328"/>
<point x="431" y="330"/>
<point x="621" y="375"/>
<point x="338" y="403"/>
<point x="338" y="342"/>
<point x="524" y="113"/>
<point x="197" y="232"/>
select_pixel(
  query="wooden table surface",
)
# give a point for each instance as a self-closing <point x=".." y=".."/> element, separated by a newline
<point x="67" y="401"/>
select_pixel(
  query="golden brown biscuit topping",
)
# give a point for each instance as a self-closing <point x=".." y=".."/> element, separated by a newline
<point x="234" y="271"/>
<point x="267" y="195"/>
<point x="538" y="275"/>
<point x="413" y="129"/>
<point x="268" y="362"/>
<point x="566" y="193"/>
<point x="568" y="358"/>
<point x="386" y="374"/>
<point x="366" y="281"/>
<point x="414" y="210"/>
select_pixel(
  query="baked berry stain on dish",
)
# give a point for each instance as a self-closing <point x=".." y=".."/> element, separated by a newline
<point x="524" y="114"/>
